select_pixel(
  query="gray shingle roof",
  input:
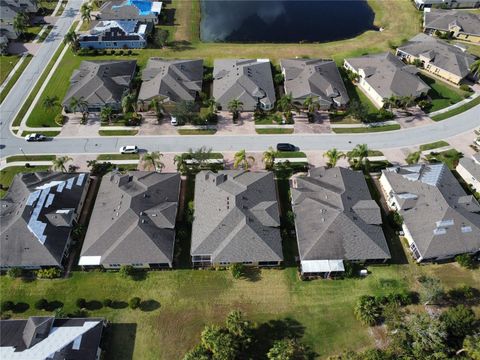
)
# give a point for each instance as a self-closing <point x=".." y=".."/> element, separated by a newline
<point x="236" y="217"/>
<point x="128" y="10"/>
<point x="175" y="80"/>
<point x="389" y="76"/>
<point x="440" y="53"/>
<point x="101" y="82"/>
<point x="317" y="78"/>
<point x="446" y="20"/>
<point x="472" y="165"/>
<point x="336" y="218"/>
<point x="36" y="329"/>
<point x="441" y="218"/>
<point x="133" y="220"/>
<point x="247" y="80"/>
<point x="31" y="234"/>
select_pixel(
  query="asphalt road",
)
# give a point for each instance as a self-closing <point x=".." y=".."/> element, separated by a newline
<point x="12" y="103"/>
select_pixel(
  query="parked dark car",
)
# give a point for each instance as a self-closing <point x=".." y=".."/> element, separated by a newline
<point x="286" y="147"/>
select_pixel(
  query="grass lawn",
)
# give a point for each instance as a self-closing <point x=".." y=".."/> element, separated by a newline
<point x="45" y="33"/>
<point x="366" y="129"/>
<point x="7" y="174"/>
<point x="118" y="157"/>
<point x="46" y="133"/>
<point x="434" y="145"/>
<point x="117" y="132"/>
<point x="7" y="63"/>
<point x="274" y="131"/>
<point x="196" y="131"/>
<point x="30" y="158"/>
<point x="442" y="94"/>
<point x="457" y="111"/>
<point x="449" y="157"/>
<point x="14" y="78"/>
<point x="290" y="154"/>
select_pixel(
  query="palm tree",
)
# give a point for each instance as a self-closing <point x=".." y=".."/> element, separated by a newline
<point x="475" y="68"/>
<point x="106" y="113"/>
<point x="71" y="38"/>
<point x="50" y="102"/>
<point x="128" y="100"/>
<point x="157" y="107"/>
<point x="242" y="159"/>
<point x="390" y="103"/>
<point x="86" y="10"/>
<point x="77" y="104"/>
<point x="20" y="23"/>
<point x="285" y="104"/>
<point x="333" y="156"/>
<point x="152" y="160"/>
<point x="211" y="104"/>
<point x="359" y="154"/>
<point x="179" y="160"/>
<point x="269" y="158"/>
<point x="235" y="106"/>
<point x="60" y="162"/>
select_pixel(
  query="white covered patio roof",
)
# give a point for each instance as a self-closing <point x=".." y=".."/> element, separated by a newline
<point x="321" y="266"/>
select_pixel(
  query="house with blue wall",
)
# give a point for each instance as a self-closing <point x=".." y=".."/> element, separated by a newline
<point x="113" y="34"/>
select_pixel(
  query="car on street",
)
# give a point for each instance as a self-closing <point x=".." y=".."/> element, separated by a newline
<point x="286" y="147"/>
<point x="129" y="149"/>
<point x="35" y="137"/>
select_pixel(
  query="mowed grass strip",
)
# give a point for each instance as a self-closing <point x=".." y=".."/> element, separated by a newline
<point x="366" y="129"/>
<point x="118" y="157"/>
<point x="442" y="94"/>
<point x="14" y="78"/>
<point x="7" y="63"/>
<point x="117" y="132"/>
<point x="196" y="131"/>
<point x="434" y="145"/>
<point x="274" y="131"/>
<point x="15" y="158"/>
<point x="457" y="111"/>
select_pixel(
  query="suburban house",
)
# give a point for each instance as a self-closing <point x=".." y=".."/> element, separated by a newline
<point x="9" y="10"/>
<point x="336" y="220"/>
<point x="133" y="221"/>
<point x="236" y="219"/>
<point x="47" y="337"/>
<point x="138" y="10"/>
<point x="100" y="83"/>
<point x="440" y="220"/>
<point x="384" y="75"/>
<point x="461" y="25"/>
<point x="37" y="217"/>
<point x="316" y="78"/>
<point x="171" y="80"/>
<point x="448" y="4"/>
<point x="116" y="34"/>
<point x="469" y="170"/>
<point x="247" y="80"/>
<point x="438" y="57"/>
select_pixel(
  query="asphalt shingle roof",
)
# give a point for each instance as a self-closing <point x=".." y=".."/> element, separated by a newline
<point x="336" y="218"/>
<point x="441" y="218"/>
<point x="236" y="217"/>
<point x="133" y="220"/>
<point x="443" y="20"/>
<point x="130" y="10"/>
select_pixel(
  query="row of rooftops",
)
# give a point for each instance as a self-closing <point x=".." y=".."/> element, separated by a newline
<point x="237" y="217"/>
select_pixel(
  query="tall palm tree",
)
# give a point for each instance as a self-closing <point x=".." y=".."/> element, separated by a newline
<point x="475" y="68"/>
<point x="211" y="104"/>
<point x="106" y="113"/>
<point x="152" y="160"/>
<point x="71" y="38"/>
<point x="128" y="100"/>
<point x="241" y="159"/>
<point x="269" y="158"/>
<point x="86" y="10"/>
<point x="60" y="162"/>
<point x="359" y="154"/>
<point x="179" y="160"/>
<point x="50" y="102"/>
<point x="311" y="104"/>
<point x="333" y="156"/>
<point x="74" y="104"/>
<point x="156" y="107"/>
<point x="235" y="106"/>
<point x="285" y="104"/>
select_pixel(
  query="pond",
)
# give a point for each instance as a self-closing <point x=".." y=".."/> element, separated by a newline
<point x="279" y="21"/>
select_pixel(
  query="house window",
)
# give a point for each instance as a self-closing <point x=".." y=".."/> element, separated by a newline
<point x="114" y="265"/>
<point x="201" y="258"/>
<point x="224" y="262"/>
<point x="268" y="263"/>
<point x="247" y="263"/>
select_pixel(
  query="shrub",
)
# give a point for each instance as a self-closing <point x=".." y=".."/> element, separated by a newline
<point x="81" y="303"/>
<point x="129" y="52"/>
<point x="7" y="306"/>
<point x="465" y="87"/>
<point x="134" y="303"/>
<point x="367" y="310"/>
<point x="59" y="119"/>
<point x="50" y="273"/>
<point x="237" y="270"/>
<point x="14" y="272"/>
<point x="107" y="302"/>
<point x="59" y="313"/>
<point x="120" y="52"/>
<point x="112" y="52"/>
<point x="41" y="304"/>
<point x="352" y="269"/>
<point x="459" y="321"/>
<point x="465" y="260"/>
<point x="126" y="270"/>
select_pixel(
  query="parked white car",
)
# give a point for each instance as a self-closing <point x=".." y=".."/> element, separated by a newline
<point x="173" y="121"/>
<point x="35" y="137"/>
<point x="129" y="149"/>
<point x="477" y="142"/>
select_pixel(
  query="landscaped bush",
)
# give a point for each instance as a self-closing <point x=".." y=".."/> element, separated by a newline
<point x="367" y="310"/>
<point x="126" y="270"/>
<point x="41" y="304"/>
<point x="237" y="270"/>
<point x="465" y="87"/>
<point x="120" y="52"/>
<point x="134" y="303"/>
<point x="59" y="119"/>
<point x="107" y="302"/>
<point x="352" y="269"/>
<point x="81" y="303"/>
<point x="112" y="52"/>
<point x="465" y="260"/>
<point x="14" y="272"/>
<point x="50" y="273"/>
<point x="7" y="306"/>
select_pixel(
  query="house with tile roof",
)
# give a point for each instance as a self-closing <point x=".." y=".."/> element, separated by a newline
<point x="37" y="216"/>
<point x="116" y="34"/>
<point x="461" y="25"/>
<point x="236" y="219"/>
<point x="336" y="220"/>
<point x="133" y="221"/>
<point x="440" y="220"/>
<point x="315" y="78"/>
<point x="450" y="62"/>
<point x="383" y="76"/>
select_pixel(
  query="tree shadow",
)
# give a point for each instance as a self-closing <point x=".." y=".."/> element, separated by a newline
<point x="149" y="305"/>
<point x="139" y="275"/>
<point x="118" y="305"/>
<point x="53" y="305"/>
<point x="79" y="313"/>
<point x="252" y="274"/>
<point x="180" y="45"/>
<point x="119" y="341"/>
<point x="93" y="305"/>
<point x="168" y="17"/>
<point x="20" y="307"/>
